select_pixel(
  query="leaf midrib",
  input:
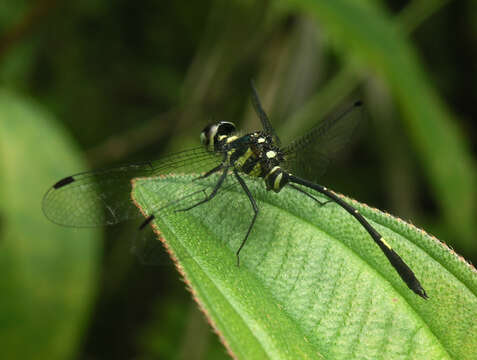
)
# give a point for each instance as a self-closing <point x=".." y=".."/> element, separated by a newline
<point x="223" y="293"/>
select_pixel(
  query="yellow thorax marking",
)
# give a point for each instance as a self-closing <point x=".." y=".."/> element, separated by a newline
<point x="275" y="168"/>
<point x="231" y="139"/>
<point x="241" y="160"/>
<point x="271" y="154"/>
<point x="257" y="169"/>
<point x="278" y="179"/>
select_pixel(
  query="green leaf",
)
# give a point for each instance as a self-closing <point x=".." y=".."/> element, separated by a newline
<point x="312" y="283"/>
<point x="46" y="281"/>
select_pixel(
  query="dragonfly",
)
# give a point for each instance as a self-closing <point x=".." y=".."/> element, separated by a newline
<point x="103" y="197"/>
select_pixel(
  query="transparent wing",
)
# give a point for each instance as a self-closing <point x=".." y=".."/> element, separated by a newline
<point x="186" y="191"/>
<point x="310" y="155"/>
<point x="182" y="193"/>
<point x="103" y="197"/>
<point x="267" y="126"/>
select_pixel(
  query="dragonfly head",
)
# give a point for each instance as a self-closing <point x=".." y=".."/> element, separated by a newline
<point x="212" y="133"/>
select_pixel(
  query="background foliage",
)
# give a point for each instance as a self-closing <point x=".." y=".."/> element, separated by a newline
<point x="93" y="83"/>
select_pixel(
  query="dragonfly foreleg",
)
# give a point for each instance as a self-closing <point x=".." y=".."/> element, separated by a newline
<point x="255" y="210"/>
<point x="213" y="193"/>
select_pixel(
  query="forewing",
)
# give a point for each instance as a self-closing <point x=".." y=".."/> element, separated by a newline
<point x="262" y="115"/>
<point x="103" y="197"/>
<point x="310" y="155"/>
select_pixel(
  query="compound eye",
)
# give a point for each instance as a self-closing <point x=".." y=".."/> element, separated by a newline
<point x="206" y="134"/>
<point x="225" y="128"/>
<point x="203" y="139"/>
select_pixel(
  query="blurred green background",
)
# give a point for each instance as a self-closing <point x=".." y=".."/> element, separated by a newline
<point x="92" y="84"/>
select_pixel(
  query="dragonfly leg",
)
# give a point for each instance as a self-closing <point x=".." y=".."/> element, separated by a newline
<point x="255" y="210"/>
<point x="210" y="172"/>
<point x="213" y="193"/>
<point x="321" y="203"/>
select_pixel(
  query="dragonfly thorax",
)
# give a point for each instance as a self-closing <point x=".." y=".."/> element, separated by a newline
<point x="255" y="154"/>
<point x="270" y="159"/>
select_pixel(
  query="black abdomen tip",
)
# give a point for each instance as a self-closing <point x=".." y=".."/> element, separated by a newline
<point x="63" y="182"/>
